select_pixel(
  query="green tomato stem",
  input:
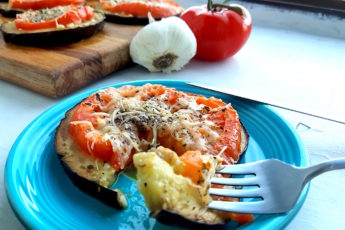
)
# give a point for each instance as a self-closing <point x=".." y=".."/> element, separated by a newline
<point x="233" y="8"/>
<point x="209" y="5"/>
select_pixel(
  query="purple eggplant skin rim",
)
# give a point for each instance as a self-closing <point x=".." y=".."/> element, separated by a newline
<point x="105" y="195"/>
<point x="51" y="38"/>
<point x="130" y="20"/>
<point x="244" y="150"/>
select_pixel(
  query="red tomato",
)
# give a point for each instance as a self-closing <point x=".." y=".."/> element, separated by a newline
<point x="40" y="4"/>
<point x="220" y="31"/>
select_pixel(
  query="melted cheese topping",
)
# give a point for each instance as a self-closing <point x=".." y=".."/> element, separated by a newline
<point x="43" y="14"/>
<point x="135" y="119"/>
<point x="125" y="117"/>
<point x="160" y="181"/>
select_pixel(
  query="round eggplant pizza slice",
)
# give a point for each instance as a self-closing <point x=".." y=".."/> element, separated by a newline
<point x="135" y="12"/>
<point x="15" y="7"/>
<point x="175" y="139"/>
<point x="54" y="26"/>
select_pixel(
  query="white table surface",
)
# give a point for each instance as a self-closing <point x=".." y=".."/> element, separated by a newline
<point x="300" y="68"/>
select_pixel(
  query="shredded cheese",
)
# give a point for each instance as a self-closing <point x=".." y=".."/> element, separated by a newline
<point x="124" y="117"/>
<point x="222" y="151"/>
<point x="154" y="139"/>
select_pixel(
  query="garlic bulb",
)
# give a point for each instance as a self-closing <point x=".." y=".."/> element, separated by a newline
<point x="164" y="45"/>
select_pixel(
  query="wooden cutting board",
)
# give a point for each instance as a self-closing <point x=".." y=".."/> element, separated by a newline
<point x="57" y="71"/>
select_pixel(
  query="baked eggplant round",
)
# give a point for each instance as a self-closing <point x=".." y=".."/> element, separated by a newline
<point x="52" y="37"/>
<point x="101" y="137"/>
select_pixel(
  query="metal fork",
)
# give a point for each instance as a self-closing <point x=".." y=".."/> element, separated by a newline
<point x="277" y="184"/>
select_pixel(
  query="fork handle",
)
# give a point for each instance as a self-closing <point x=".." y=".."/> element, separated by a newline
<point x="326" y="166"/>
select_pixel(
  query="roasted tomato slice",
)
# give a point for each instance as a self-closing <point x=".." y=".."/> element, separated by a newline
<point x="51" y="18"/>
<point x="41" y="4"/>
<point x="82" y="13"/>
<point x="89" y="12"/>
<point x="157" y="8"/>
<point x="71" y="16"/>
<point x="27" y="25"/>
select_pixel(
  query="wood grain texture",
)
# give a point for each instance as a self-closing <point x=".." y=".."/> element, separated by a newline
<point x="57" y="71"/>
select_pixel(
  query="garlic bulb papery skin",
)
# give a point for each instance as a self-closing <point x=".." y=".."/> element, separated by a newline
<point x="165" y="45"/>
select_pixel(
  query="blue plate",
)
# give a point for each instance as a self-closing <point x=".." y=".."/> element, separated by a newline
<point x="43" y="197"/>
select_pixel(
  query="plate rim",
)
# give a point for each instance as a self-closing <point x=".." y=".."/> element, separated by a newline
<point x="32" y="223"/>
